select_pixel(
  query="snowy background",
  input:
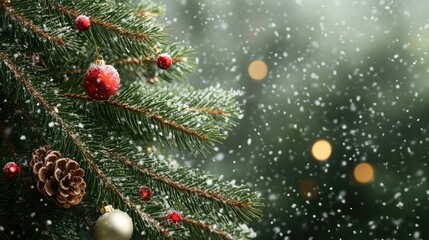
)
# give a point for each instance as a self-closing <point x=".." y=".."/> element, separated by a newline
<point x="354" y="73"/>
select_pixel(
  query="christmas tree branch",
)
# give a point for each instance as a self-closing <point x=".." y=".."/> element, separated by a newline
<point x="127" y="61"/>
<point x="151" y="112"/>
<point x="136" y="36"/>
<point x="149" y="115"/>
<point x="178" y="193"/>
<point x="196" y="189"/>
<point x="29" y="25"/>
<point x="211" y="101"/>
<point x="143" y="112"/>
<point x="132" y="68"/>
<point x="178" y="186"/>
<point x="109" y="26"/>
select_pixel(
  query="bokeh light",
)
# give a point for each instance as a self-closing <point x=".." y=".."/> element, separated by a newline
<point x="321" y="150"/>
<point x="364" y="173"/>
<point x="309" y="188"/>
<point x="258" y="70"/>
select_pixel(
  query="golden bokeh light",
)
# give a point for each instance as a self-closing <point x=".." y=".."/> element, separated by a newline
<point x="309" y="188"/>
<point x="258" y="70"/>
<point x="364" y="173"/>
<point x="321" y="150"/>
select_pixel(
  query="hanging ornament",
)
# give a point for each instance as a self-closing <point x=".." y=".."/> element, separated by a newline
<point x="113" y="224"/>
<point x="145" y="193"/>
<point x="174" y="217"/>
<point x="11" y="170"/>
<point x="82" y="23"/>
<point x="59" y="179"/>
<point x="101" y="81"/>
<point x="164" y="61"/>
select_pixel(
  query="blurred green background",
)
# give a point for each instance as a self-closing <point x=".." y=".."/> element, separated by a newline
<point x="352" y="72"/>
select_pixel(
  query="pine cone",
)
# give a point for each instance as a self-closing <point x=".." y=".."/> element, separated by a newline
<point x="59" y="179"/>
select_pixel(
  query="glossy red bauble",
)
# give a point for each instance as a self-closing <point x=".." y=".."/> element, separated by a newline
<point x="145" y="193"/>
<point x="173" y="216"/>
<point x="101" y="81"/>
<point x="164" y="61"/>
<point x="11" y="170"/>
<point x="82" y="23"/>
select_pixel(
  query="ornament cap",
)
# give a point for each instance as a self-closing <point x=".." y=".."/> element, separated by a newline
<point x="100" y="61"/>
<point x="106" y="208"/>
<point x="5" y="1"/>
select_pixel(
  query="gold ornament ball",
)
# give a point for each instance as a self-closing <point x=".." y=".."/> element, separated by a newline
<point x="114" y="225"/>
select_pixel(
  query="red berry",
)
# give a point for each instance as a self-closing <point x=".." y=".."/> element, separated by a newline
<point x="82" y="23"/>
<point x="11" y="170"/>
<point x="164" y="61"/>
<point x="101" y="81"/>
<point x="173" y="216"/>
<point x="145" y="193"/>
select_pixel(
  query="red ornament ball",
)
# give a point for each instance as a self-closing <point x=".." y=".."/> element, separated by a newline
<point x="173" y="216"/>
<point x="145" y="193"/>
<point x="164" y="61"/>
<point x="11" y="170"/>
<point x="101" y="81"/>
<point x="82" y="23"/>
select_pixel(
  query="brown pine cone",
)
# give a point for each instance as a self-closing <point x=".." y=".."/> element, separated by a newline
<point x="59" y="179"/>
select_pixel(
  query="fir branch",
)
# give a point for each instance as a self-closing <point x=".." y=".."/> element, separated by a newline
<point x="111" y="27"/>
<point x="30" y="25"/>
<point x="163" y="114"/>
<point x="143" y="112"/>
<point x="181" y="187"/>
<point x="223" y="229"/>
